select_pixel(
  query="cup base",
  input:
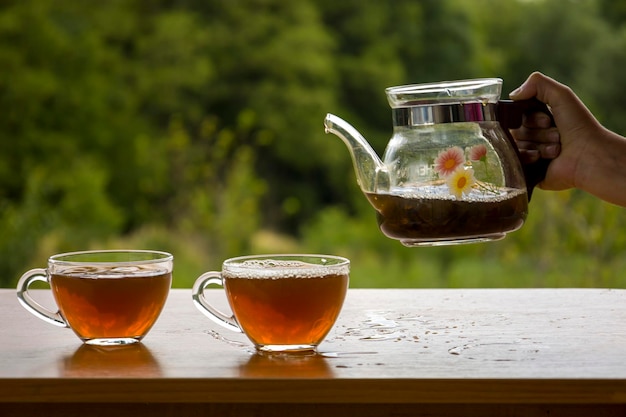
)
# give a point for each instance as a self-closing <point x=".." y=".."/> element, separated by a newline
<point x="112" y="341"/>
<point x="286" y="348"/>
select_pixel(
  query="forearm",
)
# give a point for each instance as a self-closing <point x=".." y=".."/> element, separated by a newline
<point x="601" y="168"/>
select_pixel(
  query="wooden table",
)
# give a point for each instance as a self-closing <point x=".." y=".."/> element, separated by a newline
<point x="518" y="352"/>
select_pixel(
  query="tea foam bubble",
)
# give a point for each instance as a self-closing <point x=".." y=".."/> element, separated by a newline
<point x="442" y="192"/>
<point x="277" y="269"/>
<point x="97" y="271"/>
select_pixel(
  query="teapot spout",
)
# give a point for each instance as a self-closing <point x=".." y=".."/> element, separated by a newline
<point x="372" y="175"/>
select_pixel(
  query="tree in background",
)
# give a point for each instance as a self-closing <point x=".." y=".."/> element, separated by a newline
<point x="192" y="126"/>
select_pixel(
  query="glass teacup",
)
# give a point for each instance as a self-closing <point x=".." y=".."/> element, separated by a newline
<point x="106" y="297"/>
<point x="282" y="303"/>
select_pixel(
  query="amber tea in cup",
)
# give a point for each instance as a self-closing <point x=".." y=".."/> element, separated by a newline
<point x="106" y="297"/>
<point x="282" y="303"/>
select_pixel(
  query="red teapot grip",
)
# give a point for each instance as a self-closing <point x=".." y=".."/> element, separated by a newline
<point x="510" y="116"/>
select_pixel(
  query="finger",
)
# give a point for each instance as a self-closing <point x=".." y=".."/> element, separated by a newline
<point x="549" y="151"/>
<point x="537" y="121"/>
<point x="525" y="134"/>
<point x="527" y="145"/>
<point x="535" y="150"/>
<point x="562" y="101"/>
<point x="528" y="156"/>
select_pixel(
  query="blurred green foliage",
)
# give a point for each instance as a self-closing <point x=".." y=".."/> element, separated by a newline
<point x="196" y="127"/>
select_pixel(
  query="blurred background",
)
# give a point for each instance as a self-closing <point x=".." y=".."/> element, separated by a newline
<point x="196" y="127"/>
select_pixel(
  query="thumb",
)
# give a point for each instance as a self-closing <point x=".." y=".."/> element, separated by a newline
<point x="525" y="91"/>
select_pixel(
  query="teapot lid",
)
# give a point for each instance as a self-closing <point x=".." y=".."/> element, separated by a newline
<point x="479" y="90"/>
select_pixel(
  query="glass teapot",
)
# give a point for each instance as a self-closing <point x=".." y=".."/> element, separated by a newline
<point x="451" y="172"/>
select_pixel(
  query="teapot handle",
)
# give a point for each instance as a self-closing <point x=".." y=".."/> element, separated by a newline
<point x="510" y="114"/>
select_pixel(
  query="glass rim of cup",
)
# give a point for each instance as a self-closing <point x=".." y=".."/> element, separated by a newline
<point x="75" y="257"/>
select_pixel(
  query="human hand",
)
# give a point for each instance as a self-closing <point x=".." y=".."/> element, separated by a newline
<point x="591" y="157"/>
<point x="565" y="143"/>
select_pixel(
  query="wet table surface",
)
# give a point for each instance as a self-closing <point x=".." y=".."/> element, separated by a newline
<point x="398" y="352"/>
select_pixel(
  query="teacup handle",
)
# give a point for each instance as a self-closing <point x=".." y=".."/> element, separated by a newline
<point x="206" y="279"/>
<point x="29" y="302"/>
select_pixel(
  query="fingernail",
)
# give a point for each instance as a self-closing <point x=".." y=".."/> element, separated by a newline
<point x="544" y="121"/>
<point x="552" y="151"/>
<point x="529" y="155"/>
<point x="554" y="136"/>
<point x="517" y="91"/>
